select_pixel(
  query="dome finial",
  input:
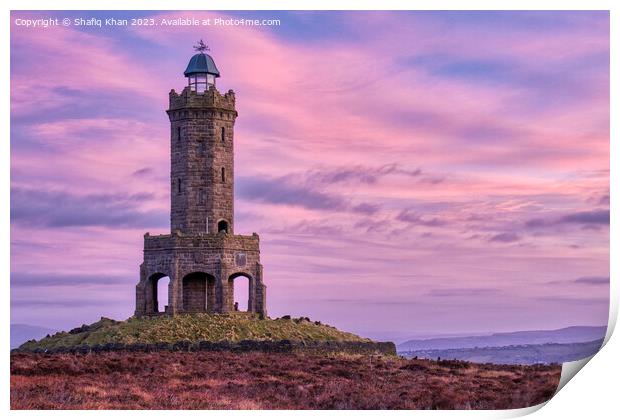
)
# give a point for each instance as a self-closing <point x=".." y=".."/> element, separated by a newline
<point x="201" y="47"/>
<point x="201" y="71"/>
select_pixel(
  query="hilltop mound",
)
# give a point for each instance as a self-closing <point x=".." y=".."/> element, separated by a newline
<point x="193" y="328"/>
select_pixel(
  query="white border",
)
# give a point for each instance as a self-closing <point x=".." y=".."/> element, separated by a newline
<point x="592" y="395"/>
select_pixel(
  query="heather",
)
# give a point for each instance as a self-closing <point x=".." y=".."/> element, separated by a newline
<point x="258" y="380"/>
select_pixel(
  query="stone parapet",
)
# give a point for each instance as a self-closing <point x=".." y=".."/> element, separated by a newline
<point x="212" y="98"/>
<point x="204" y="242"/>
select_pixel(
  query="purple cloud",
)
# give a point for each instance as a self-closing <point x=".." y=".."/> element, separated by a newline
<point x="66" y="279"/>
<point x="505" y="237"/>
<point x="358" y="174"/>
<point x="414" y="218"/>
<point x="58" y="209"/>
<point x="594" y="217"/>
<point x="281" y="191"/>
<point x="143" y="172"/>
<point x="595" y="281"/>
<point x="366" y="208"/>
<point x="498" y="113"/>
<point x="462" y="291"/>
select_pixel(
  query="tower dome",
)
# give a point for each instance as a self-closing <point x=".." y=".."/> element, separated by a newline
<point x="201" y="63"/>
<point x="201" y="71"/>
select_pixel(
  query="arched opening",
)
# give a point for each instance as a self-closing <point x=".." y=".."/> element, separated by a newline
<point x="198" y="292"/>
<point x="157" y="298"/>
<point x="240" y="292"/>
<point x="222" y="226"/>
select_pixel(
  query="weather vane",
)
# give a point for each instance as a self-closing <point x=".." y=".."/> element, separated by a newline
<point x="201" y="47"/>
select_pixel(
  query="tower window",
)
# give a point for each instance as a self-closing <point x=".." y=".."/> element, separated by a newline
<point x="179" y="134"/>
<point x="223" y="175"/>
<point x="223" y="134"/>
<point x="202" y="148"/>
<point x="179" y="185"/>
<point x="201" y="197"/>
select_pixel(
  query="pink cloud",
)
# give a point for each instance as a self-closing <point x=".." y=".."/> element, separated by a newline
<point x="72" y="59"/>
<point x="490" y="156"/>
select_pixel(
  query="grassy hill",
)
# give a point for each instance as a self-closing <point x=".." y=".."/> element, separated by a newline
<point x="194" y="328"/>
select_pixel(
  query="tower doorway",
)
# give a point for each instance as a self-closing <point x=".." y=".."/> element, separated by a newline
<point x="198" y="292"/>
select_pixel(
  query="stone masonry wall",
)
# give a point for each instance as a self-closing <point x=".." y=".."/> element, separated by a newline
<point x="202" y="160"/>
<point x="217" y="258"/>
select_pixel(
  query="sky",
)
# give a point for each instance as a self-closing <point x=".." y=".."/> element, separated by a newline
<point x="411" y="174"/>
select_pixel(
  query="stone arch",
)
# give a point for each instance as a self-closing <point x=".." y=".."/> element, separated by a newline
<point x="198" y="292"/>
<point x="222" y="226"/>
<point x="153" y="304"/>
<point x="245" y="300"/>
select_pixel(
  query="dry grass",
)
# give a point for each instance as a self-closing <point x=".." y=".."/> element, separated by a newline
<point x="223" y="380"/>
<point x="193" y="328"/>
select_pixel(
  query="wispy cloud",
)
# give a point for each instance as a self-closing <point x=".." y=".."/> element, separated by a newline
<point x="58" y="209"/>
<point x="596" y="217"/>
<point x="281" y="191"/>
<point x="358" y="174"/>
<point x="595" y="281"/>
<point x="142" y="172"/>
<point x="413" y="217"/>
<point x="505" y="237"/>
<point x="359" y="158"/>
<point x="22" y="279"/>
<point x="464" y="292"/>
<point x="593" y="217"/>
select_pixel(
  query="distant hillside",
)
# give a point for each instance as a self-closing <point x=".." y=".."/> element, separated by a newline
<point x="577" y="334"/>
<point x="20" y="333"/>
<point x="523" y="355"/>
<point x="193" y="328"/>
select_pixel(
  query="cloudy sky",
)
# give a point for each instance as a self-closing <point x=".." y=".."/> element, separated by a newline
<point x="409" y="173"/>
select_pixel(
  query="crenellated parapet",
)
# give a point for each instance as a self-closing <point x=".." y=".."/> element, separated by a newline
<point x="181" y="104"/>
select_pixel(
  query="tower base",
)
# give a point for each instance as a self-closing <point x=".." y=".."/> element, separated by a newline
<point x="202" y="270"/>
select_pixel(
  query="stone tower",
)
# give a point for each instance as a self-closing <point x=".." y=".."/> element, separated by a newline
<point x="201" y="256"/>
